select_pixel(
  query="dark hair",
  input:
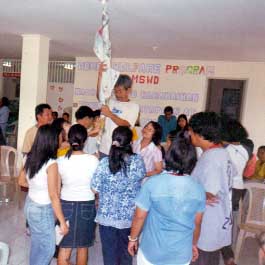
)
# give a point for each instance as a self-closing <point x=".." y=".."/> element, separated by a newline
<point x="120" y="149"/>
<point x="182" y="116"/>
<point x="156" y="138"/>
<point x="44" y="148"/>
<point x="172" y="135"/>
<point x="168" y="109"/>
<point x="67" y="114"/>
<point x="40" y="108"/>
<point x="124" y="81"/>
<point x="262" y="147"/>
<point x="5" y="101"/>
<point x="84" y="111"/>
<point x="77" y="136"/>
<point x="232" y="130"/>
<point x="96" y="113"/>
<point x="181" y="155"/>
<point x="207" y="125"/>
<point x="55" y="113"/>
<point x="249" y="146"/>
<point x="57" y="124"/>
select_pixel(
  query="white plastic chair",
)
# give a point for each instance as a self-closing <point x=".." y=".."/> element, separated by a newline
<point x="8" y="173"/>
<point x="251" y="218"/>
<point x="4" y="253"/>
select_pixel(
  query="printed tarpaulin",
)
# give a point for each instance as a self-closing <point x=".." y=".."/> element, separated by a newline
<point x="102" y="49"/>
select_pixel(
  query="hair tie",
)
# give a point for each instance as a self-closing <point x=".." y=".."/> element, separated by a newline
<point x="116" y="143"/>
<point x="75" y="144"/>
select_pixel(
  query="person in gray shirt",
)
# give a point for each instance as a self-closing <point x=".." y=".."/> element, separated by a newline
<point x="214" y="170"/>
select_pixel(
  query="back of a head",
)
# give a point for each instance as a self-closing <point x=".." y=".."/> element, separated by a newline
<point x="77" y="136"/>
<point x="44" y="148"/>
<point x="207" y="125"/>
<point x="97" y="113"/>
<point x="181" y="155"/>
<point x="120" y="148"/>
<point x="40" y="108"/>
<point x="5" y="101"/>
<point x="57" y="124"/>
<point x="249" y="146"/>
<point x="84" y="111"/>
<point x="232" y="130"/>
<point x="124" y="81"/>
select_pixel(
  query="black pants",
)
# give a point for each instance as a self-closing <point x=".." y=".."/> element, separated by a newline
<point x="207" y="258"/>
<point x="115" y="245"/>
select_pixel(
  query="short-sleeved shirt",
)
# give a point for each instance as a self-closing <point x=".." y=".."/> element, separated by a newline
<point x="167" y="125"/>
<point x="215" y="171"/>
<point x="172" y="203"/>
<point x="29" y="139"/>
<point x="239" y="158"/>
<point x="259" y="171"/>
<point x="117" y="192"/>
<point x="125" y="110"/>
<point x="76" y="173"/>
<point x="151" y="154"/>
<point x="4" y="114"/>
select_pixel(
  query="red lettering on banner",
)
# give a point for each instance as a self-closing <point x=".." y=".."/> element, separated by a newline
<point x="145" y="79"/>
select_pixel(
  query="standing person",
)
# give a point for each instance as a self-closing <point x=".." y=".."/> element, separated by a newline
<point x="149" y="148"/>
<point x="120" y="111"/>
<point x="85" y="117"/>
<point x="233" y="134"/>
<point x="4" y="114"/>
<point x="40" y="175"/>
<point x="167" y="121"/>
<point x="78" y="201"/>
<point x="43" y="115"/>
<point x="117" y="180"/>
<point x="214" y="170"/>
<point x="182" y="123"/>
<point x="66" y="116"/>
<point x="169" y="211"/>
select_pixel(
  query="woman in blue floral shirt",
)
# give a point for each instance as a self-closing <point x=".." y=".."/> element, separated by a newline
<point x="118" y="181"/>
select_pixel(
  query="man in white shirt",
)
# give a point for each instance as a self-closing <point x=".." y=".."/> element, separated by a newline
<point x="119" y="112"/>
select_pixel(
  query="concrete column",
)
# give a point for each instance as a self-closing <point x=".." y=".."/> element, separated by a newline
<point x="1" y="79"/>
<point x="34" y="78"/>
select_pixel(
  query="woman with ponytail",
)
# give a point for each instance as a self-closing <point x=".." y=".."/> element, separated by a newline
<point x="76" y="169"/>
<point x="117" y="180"/>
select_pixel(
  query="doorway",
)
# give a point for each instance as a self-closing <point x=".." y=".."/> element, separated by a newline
<point x="225" y="96"/>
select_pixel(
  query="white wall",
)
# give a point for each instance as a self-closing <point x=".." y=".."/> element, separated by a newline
<point x="183" y="83"/>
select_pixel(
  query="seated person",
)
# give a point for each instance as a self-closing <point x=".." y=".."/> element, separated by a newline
<point x="260" y="164"/>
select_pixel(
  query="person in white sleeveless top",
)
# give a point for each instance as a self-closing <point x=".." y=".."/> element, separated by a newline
<point x="76" y="169"/>
<point x="40" y="175"/>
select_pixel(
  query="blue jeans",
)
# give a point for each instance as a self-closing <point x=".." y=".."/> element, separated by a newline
<point x="115" y="245"/>
<point x="41" y="224"/>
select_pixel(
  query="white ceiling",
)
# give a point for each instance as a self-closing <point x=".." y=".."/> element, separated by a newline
<point x="180" y="29"/>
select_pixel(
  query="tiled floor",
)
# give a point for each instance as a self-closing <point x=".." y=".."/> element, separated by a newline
<point x="12" y="232"/>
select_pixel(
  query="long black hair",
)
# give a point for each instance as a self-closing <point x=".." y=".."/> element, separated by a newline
<point x="77" y="136"/>
<point x="181" y="155"/>
<point x="120" y="149"/>
<point x="44" y="148"/>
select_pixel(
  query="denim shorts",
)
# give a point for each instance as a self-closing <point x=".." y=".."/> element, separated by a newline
<point x="81" y="216"/>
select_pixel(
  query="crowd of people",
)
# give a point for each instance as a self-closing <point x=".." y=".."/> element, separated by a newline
<point x="167" y="196"/>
